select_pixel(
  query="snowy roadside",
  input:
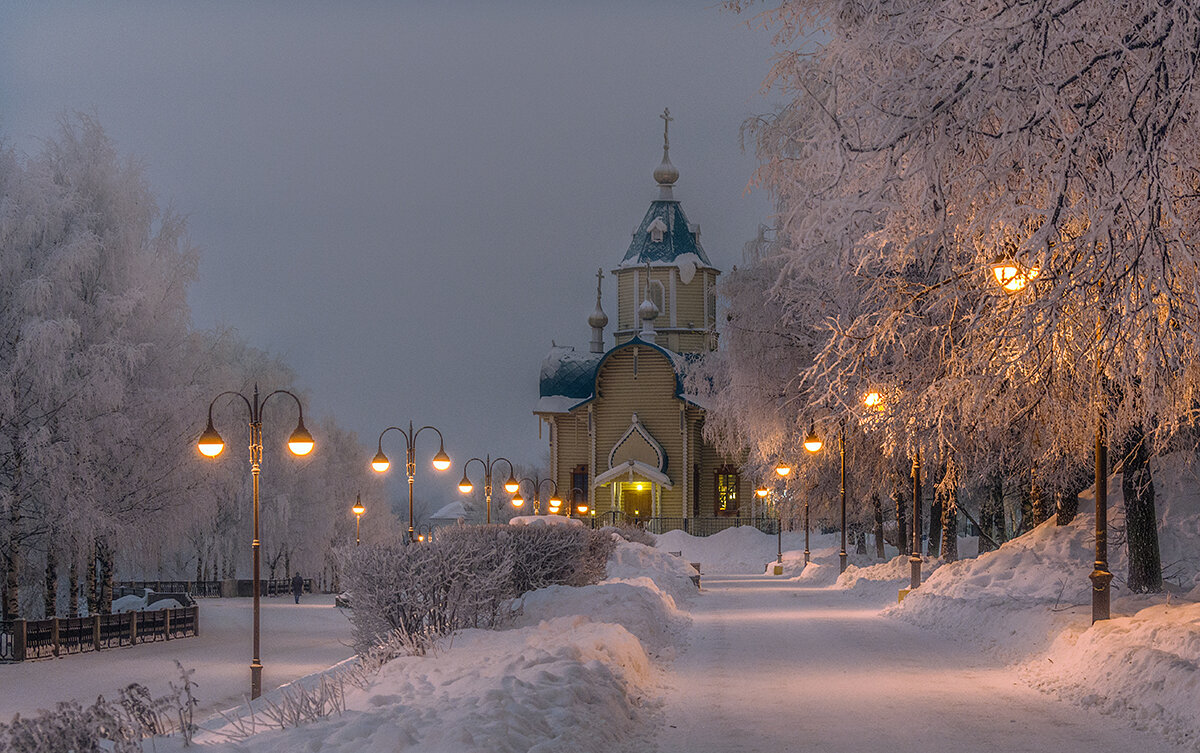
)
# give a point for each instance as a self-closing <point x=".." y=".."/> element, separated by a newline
<point x="577" y="669"/>
<point x="1029" y="603"/>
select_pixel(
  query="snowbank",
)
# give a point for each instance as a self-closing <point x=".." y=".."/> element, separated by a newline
<point x="566" y="684"/>
<point x="739" y="550"/>
<point x="132" y="603"/>
<point x="1030" y="603"/>
<point x="638" y="604"/>
<point x="669" y="573"/>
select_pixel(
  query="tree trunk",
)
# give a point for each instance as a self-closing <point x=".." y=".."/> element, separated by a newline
<point x="1026" y="524"/>
<point x="73" y="583"/>
<point x="50" y="593"/>
<point x="877" y="507"/>
<point x="1141" y="521"/>
<point x="902" y="546"/>
<point x="860" y="543"/>
<point x="935" y="525"/>
<point x="93" y="585"/>
<point x="994" y="498"/>
<point x="12" y="568"/>
<point x="108" y="576"/>
<point x="950" y="527"/>
<point x="1037" y="498"/>
<point x="1066" y="506"/>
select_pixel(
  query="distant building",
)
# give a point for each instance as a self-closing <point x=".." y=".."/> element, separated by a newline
<point x="624" y="435"/>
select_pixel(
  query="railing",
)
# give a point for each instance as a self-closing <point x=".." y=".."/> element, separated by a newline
<point x="21" y="640"/>
<point x="693" y="526"/>
<point x="196" y="588"/>
<point x="214" y="588"/>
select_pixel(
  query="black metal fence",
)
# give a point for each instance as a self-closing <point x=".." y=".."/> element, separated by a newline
<point x="214" y="588"/>
<point x="693" y="526"/>
<point x="22" y="640"/>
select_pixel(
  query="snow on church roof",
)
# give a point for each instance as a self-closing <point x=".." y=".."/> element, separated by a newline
<point x="679" y="238"/>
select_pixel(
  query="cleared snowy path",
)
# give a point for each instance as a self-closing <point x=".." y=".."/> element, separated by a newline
<point x="296" y="640"/>
<point x="772" y="667"/>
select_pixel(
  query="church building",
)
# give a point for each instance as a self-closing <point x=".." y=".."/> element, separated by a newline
<point x="625" y="436"/>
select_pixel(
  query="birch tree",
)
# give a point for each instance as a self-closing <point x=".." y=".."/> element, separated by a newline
<point x="922" y="143"/>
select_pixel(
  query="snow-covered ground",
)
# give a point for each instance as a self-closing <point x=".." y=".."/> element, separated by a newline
<point x="296" y="640"/>
<point x="991" y="652"/>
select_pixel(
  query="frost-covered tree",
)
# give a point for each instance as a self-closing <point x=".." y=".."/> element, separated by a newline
<point x="92" y="312"/>
<point x="923" y="142"/>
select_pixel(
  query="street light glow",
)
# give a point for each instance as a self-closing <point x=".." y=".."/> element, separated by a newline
<point x="783" y="469"/>
<point x="380" y="462"/>
<point x="812" y="442"/>
<point x="210" y="442"/>
<point x="465" y="486"/>
<point x="301" y="442"/>
<point x="441" y="461"/>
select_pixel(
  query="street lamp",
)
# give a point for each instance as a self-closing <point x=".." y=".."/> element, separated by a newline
<point x="210" y="444"/>
<point x="812" y="443"/>
<point x="441" y="461"/>
<point x="762" y="493"/>
<point x="783" y="469"/>
<point x="1012" y="277"/>
<point x="553" y="502"/>
<point x="578" y="498"/>
<point x="465" y="485"/>
<point x="358" y="511"/>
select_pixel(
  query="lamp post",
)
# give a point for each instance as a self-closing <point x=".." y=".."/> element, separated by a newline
<point x="762" y="491"/>
<point x="813" y="443"/>
<point x="441" y="461"/>
<point x="554" y="503"/>
<point x="1012" y="277"/>
<point x="358" y="511"/>
<point x="210" y="444"/>
<point x="465" y="485"/>
<point x="914" y="556"/>
<point x="783" y="470"/>
<point x="579" y="500"/>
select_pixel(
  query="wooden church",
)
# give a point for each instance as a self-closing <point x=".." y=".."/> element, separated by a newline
<point x="625" y="436"/>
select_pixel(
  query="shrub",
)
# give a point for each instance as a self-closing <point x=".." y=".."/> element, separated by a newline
<point x="413" y="593"/>
<point x="632" y="534"/>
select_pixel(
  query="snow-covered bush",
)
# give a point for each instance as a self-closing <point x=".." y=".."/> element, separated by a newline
<point x="632" y="534"/>
<point x="415" y="593"/>
<point x="106" y="726"/>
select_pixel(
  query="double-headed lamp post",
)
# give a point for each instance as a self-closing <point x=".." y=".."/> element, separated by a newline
<point x="465" y="486"/>
<point x="441" y="461"/>
<point x="358" y="511"/>
<point x="783" y="470"/>
<point x="211" y="444"/>
<point x="554" y="503"/>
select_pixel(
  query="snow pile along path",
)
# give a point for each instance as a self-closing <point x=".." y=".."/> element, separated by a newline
<point x="671" y="574"/>
<point x="1029" y="603"/>
<point x="637" y="604"/>
<point x="565" y="684"/>
<point x="1145" y="667"/>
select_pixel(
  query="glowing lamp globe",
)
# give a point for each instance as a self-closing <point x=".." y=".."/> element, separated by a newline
<point x="511" y="485"/>
<point x="783" y="469"/>
<point x="761" y="491"/>
<point x="812" y="442"/>
<point x="873" y="399"/>
<point x="301" y="442"/>
<point x="210" y="443"/>
<point x="358" y="509"/>
<point x="518" y="500"/>
<point x="1012" y="277"/>
<point x="582" y="509"/>
<point x="441" y="461"/>
<point x="465" y="486"/>
<point x="380" y="462"/>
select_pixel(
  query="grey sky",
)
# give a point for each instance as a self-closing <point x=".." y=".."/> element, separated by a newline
<point x="407" y="201"/>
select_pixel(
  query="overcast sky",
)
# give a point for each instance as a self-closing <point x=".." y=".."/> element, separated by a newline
<point x="407" y="201"/>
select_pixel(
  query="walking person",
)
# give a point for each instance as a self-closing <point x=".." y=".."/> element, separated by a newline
<point x="297" y="586"/>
